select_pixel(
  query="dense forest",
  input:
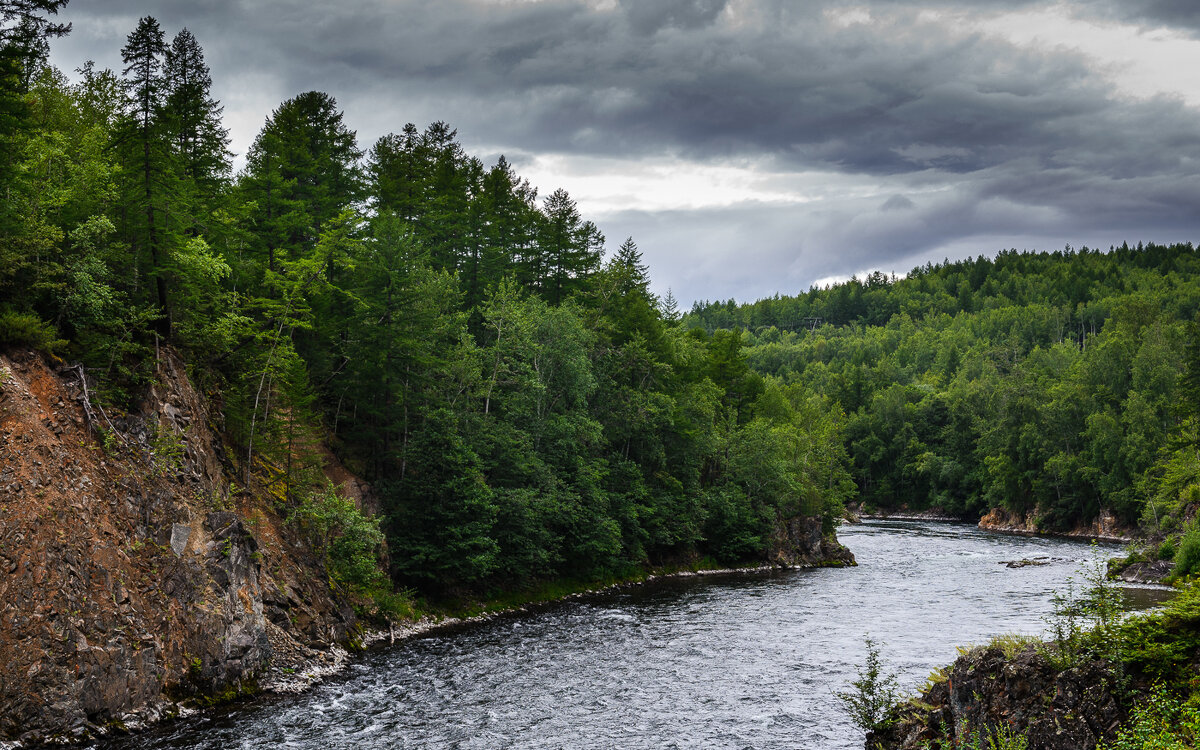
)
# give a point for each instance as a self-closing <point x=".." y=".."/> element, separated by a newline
<point x="1052" y="384"/>
<point x="523" y="406"/>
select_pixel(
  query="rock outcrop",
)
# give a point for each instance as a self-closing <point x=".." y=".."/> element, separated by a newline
<point x="984" y="690"/>
<point x="1145" y="572"/>
<point x="132" y="575"/>
<point x="802" y="541"/>
<point x="1106" y="527"/>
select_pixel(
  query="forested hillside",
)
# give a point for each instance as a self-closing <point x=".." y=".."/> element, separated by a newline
<point x="1051" y="384"/>
<point x="523" y="406"/>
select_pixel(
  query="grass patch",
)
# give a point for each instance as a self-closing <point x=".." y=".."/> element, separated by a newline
<point x="1012" y="643"/>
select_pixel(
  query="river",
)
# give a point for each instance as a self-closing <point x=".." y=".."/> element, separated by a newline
<point x="739" y="661"/>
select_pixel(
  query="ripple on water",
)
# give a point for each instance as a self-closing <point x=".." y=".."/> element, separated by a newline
<point x="730" y="662"/>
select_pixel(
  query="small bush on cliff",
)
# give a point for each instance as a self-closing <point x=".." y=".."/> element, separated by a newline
<point x="1084" y="620"/>
<point x="872" y="694"/>
<point x="349" y="539"/>
<point x="1187" y="556"/>
<point x="1161" y="721"/>
<point x="20" y="329"/>
<point x="1167" y="550"/>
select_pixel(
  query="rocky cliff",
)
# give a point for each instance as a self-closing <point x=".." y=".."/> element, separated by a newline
<point x="984" y="690"/>
<point x="133" y="573"/>
<point x="1105" y="527"/>
<point x="802" y="541"/>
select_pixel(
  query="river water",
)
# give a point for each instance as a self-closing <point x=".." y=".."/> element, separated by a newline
<point x="739" y="661"/>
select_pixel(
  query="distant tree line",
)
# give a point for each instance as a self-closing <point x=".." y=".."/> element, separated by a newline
<point x="1053" y="384"/>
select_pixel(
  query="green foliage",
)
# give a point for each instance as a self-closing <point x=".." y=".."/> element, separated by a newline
<point x="1012" y="643"/>
<point x="1048" y="384"/>
<point x="1160" y="721"/>
<point x="1086" y="621"/>
<point x="1187" y="556"/>
<point x="1167" y="549"/>
<point x="166" y="449"/>
<point x="1161" y="645"/>
<point x="871" y="694"/>
<point x="349" y="539"/>
<point x="985" y="738"/>
<point x="24" y="329"/>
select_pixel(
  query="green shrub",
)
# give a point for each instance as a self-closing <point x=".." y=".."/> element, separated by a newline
<point x="872" y="694"/>
<point x="22" y="329"/>
<point x="1013" y="643"/>
<point x="999" y="738"/>
<point x="1084" y="621"/>
<point x="1160" y="721"/>
<point x="1166" y="550"/>
<point x="1187" y="557"/>
<point x="1160" y="645"/>
<point x="349" y="539"/>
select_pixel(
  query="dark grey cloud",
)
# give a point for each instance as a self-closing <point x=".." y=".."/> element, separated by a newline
<point x="648" y="18"/>
<point x="897" y="203"/>
<point x="1183" y="15"/>
<point x="1020" y="140"/>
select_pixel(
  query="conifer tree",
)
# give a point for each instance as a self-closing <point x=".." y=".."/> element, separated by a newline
<point x="303" y="171"/>
<point x="396" y="173"/>
<point x="24" y="33"/>
<point x="668" y="306"/>
<point x="145" y="149"/>
<point x="569" y="248"/>
<point x="510" y="221"/>
<point x="635" y="274"/>
<point x="193" y="118"/>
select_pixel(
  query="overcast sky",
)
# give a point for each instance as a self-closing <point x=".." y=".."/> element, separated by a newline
<point x="753" y="146"/>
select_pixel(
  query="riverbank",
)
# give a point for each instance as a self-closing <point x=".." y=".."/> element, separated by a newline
<point x="1083" y="686"/>
<point x="1104" y="528"/>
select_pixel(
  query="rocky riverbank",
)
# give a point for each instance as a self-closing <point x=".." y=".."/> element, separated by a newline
<point x="1071" y="709"/>
<point x="134" y="577"/>
<point x="1106" y="527"/>
<point x="139" y="579"/>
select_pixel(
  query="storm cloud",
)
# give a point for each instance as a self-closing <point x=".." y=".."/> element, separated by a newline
<point x="877" y="135"/>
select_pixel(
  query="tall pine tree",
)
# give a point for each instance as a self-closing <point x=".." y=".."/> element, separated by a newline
<point x="192" y="119"/>
<point x="146" y="154"/>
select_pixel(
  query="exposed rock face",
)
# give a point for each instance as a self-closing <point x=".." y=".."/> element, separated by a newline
<point x="999" y="519"/>
<point x="1105" y="527"/>
<point x="130" y="576"/>
<point x="802" y="541"/>
<point x="1071" y="710"/>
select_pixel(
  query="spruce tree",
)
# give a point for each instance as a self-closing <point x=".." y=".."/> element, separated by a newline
<point x="635" y="274"/>
<point x="396" y="170"/>
<point x="668" y="306"/>
<point x="569" y="249"/>
<point x="24" y="34"/>
<point x="510" y="211"/>
<point x="146" y="153"/>
<point x="303" y="171"/>
<point x="193" y="118"/>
